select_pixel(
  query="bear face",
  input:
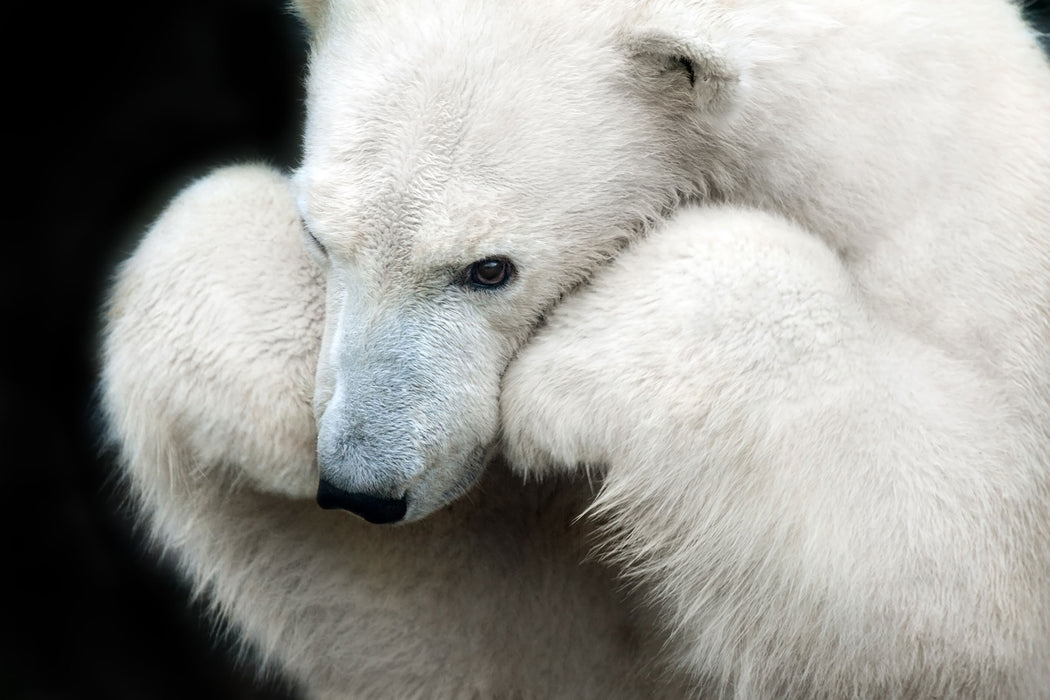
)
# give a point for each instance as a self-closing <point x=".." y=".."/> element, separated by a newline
<point x="451" y="213"/>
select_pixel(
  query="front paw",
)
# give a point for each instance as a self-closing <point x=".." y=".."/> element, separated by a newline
<point x="568" y="395"/>
<point x="716" y="302"/>
<point x="213" y="328"/>
<point x="547" y="403"/>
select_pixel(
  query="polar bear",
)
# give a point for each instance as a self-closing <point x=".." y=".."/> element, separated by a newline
<point x="794" y="566"/>
<point x="819" y="433"/>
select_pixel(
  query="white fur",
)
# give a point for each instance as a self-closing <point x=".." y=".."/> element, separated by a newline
<point x="440" y="133"/>
<point x="212" y="333"/>
<point x="823" y="505"/>
<point x="824" y="445"/>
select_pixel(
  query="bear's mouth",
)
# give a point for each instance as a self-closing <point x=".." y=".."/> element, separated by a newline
<point x="473" y="467"/>
<point x="423" y="495"/>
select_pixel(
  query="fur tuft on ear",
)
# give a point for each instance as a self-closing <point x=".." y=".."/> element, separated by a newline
<point x="311" y="12"/>
<point x="696" y="66"/>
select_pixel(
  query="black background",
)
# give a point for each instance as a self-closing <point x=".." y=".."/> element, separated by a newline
<point x="114" y="109"/>
<point x="127" y="103"/>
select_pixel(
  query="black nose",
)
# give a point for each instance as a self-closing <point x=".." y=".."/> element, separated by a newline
<point x="374" y="509"/>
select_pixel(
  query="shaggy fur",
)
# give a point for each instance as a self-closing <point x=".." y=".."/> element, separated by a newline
<point x="822" y="431"/>
<point x="823" y="505"/>
<point x="210" y="353"/>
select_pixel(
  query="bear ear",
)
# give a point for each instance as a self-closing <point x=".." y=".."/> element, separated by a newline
<point x="681" y="66"/>
<point x="311" y="12"/>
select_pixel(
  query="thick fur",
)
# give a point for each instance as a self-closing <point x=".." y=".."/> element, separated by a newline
<point x="550" y="133"/>
<point x="824" y="444"/>
<point x="824" y="506"/>
<point x="213" y="331"/>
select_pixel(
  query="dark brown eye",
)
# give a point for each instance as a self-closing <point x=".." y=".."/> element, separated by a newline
<point x="490" y="272"/>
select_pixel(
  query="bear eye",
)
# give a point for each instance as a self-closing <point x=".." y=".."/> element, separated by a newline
<point x="316" y="244"/>
<point x="490" y="273"/>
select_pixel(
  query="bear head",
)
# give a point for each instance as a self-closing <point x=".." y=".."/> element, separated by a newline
<point x="465" y="165"/>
